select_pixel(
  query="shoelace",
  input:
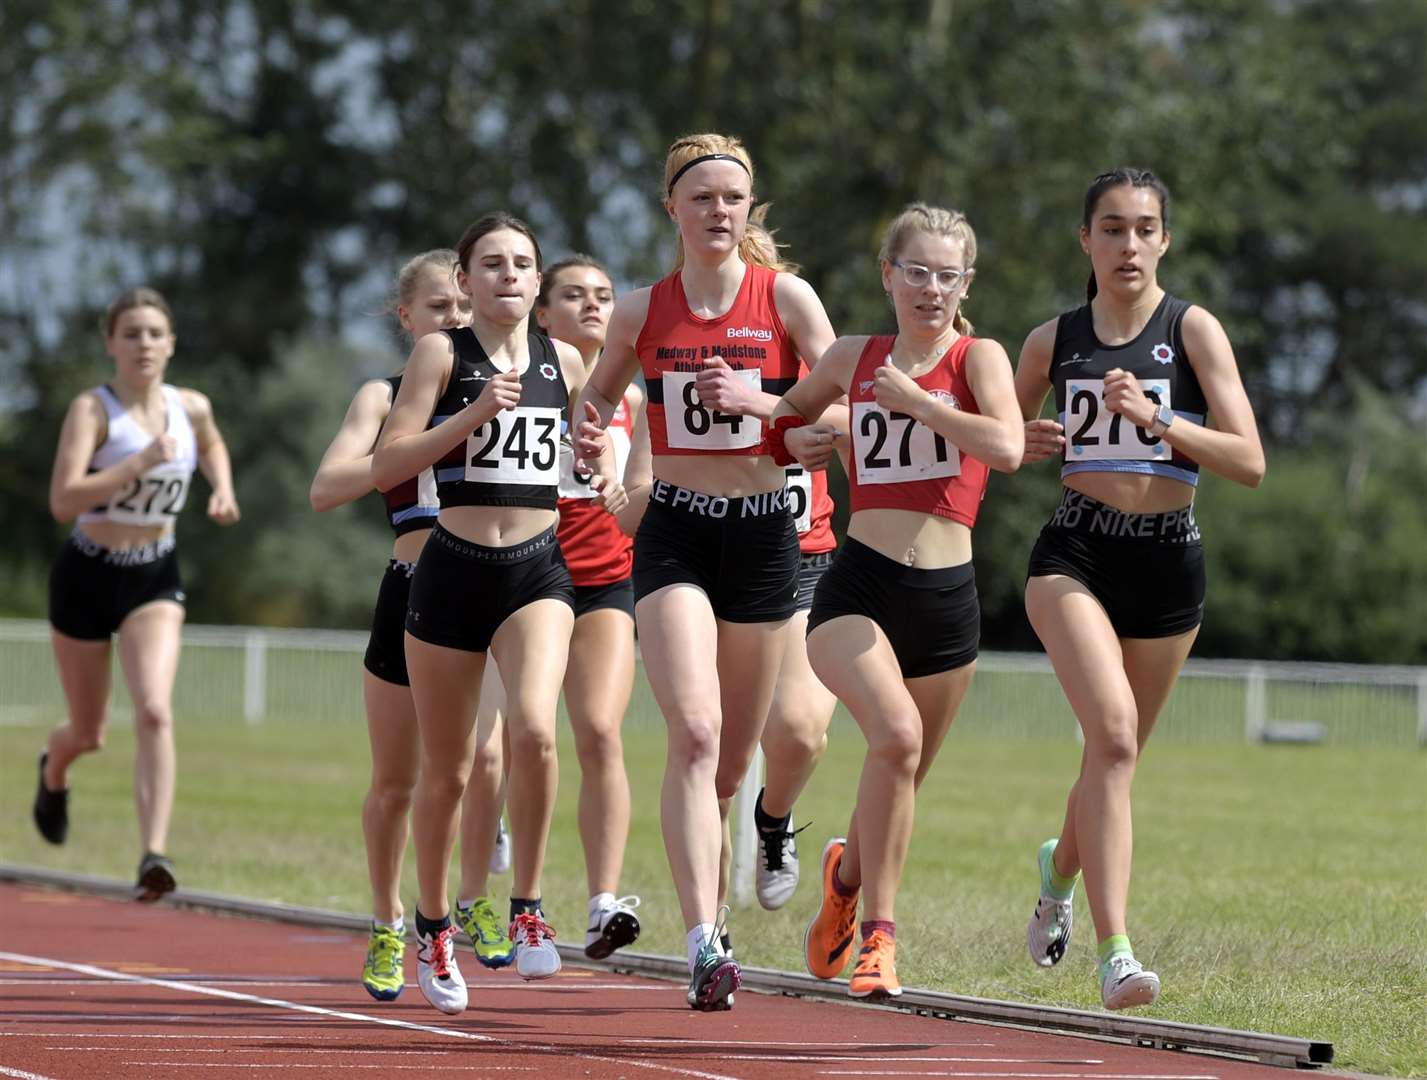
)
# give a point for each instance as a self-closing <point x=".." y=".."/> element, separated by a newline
<point x="441" y="952"/>
<point x="384" y="948"/>
<point x="533" y="927"/>
<point x="874" y="950"/>
<point x="483" y="918"/>
<point x="773" y="844"/>
<point x="1121" y="967"/>
<point x="711" y="945"/>
<point x="1058" y="911"/>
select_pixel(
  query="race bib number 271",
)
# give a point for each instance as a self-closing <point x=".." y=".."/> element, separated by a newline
<point x="892" y="448"/>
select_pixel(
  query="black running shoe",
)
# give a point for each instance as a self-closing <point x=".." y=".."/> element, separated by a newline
<point x="51" y="809"/>
<point x="155" y="877"/>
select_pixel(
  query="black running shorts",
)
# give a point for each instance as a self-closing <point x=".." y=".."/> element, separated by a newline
<point x="462" y="592"/>
<point x="93" y="589"/>
<point x="618" y="595"/>
<point x="1147" y="570"/>
<point x="811" y="569"/>
<point x="386" y="647"/>
<point x="932" y="618"/>
<point x="741" y="551"/>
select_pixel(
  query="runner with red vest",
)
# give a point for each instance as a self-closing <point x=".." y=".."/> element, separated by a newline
<point x="716" y="552"/>
<point x="795" y="737"/>
<point x="894" y="626"/>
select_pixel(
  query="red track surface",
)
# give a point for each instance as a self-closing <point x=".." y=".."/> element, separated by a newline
<point x="93" y="988"/>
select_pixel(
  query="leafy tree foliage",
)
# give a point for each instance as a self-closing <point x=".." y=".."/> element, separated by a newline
<point x="266" y="163"/>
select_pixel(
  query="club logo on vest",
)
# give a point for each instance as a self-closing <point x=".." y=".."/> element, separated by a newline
<point x="1163" y="353"/>
<point x="946" y="396"/>
<point x="865" y="385"/>
<point x="548" y="370"/>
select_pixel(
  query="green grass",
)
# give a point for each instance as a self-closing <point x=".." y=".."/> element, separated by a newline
<point x="1276" y="888"/>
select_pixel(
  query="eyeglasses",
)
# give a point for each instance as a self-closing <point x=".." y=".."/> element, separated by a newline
<point x="917" y="275"/>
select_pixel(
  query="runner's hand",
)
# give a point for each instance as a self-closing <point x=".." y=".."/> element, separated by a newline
<point x="1044" y="439"/>
<point x="812" y="444"/>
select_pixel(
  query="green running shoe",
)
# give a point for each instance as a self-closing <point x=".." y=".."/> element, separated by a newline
<point x="487" y="933"/>
<point x="715" y="976"/>
<point x="382" y="974"/>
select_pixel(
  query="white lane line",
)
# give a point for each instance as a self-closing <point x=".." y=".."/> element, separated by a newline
<point x="124" y="1016"/>
<point x="869" y="1046"/>
<point x="502" y="988"/>
<point x="339" y="1014"/>
<point x="1020" y="1075"/>
<point x="257" y="1050"/>
<point x="188" y="982"/>
<point x="914" y="1060"/>
<point x="274" y="1066"/>
<point x="21" y="1074"/>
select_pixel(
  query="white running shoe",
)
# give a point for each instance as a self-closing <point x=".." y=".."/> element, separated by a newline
<point x="1048" y="932"/>
<point x="776" y="876"/>
<point x="535" y="954"/>
<point x="437" y="973"/>
<point x="500" y="854"/>
<point x="1124" y="983"/>
<point x="612" y="926"/>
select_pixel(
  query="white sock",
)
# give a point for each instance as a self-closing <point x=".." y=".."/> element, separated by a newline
<point x="464" y="904"/>
<point x="399" y="925"/>
<point x="600" y="901"/>
<point x="700" y="934"/>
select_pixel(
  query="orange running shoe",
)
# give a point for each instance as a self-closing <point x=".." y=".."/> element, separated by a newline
<point x="828" y="942"/>
<point x="876" y="972"/>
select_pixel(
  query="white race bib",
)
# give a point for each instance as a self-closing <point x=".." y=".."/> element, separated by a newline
<point x="892" y="448"/>
<point x="800" y="497"/>
<point x="689" y="425"/>
<point x="516" y="446"/>
<point x="1094" y="433"/>
<point x="154" y="498"/>
<point x="575" y="486"/>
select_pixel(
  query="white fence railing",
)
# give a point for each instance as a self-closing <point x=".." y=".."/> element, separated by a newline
<point x="272" y="675"/>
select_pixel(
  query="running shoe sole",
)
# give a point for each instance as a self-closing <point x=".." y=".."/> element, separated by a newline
<point x="714" y="994"/>
<point x="382" y="995"/>
<point x="876" y="993"/>
<point x="622" y="929"/>
<point x="1141" y="988"/>
<point x="156" y="880"/>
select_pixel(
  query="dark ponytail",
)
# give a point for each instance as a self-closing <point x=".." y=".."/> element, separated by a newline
<point x="1125" y="174"/>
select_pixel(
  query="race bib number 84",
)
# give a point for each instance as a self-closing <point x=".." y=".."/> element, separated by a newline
<point x="516" y="446"/>
<point x="892" y="448"/>
<point x="1094" y="433"/>
<point x="691" y="425"/>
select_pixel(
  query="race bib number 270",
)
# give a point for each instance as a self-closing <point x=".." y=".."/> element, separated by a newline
<point x="1094" y="433"/>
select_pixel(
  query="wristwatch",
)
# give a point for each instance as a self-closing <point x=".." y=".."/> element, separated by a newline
<point x="1163" y="417"/>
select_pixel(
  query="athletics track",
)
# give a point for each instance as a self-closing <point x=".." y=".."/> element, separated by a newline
<point x="92" y="987"/>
